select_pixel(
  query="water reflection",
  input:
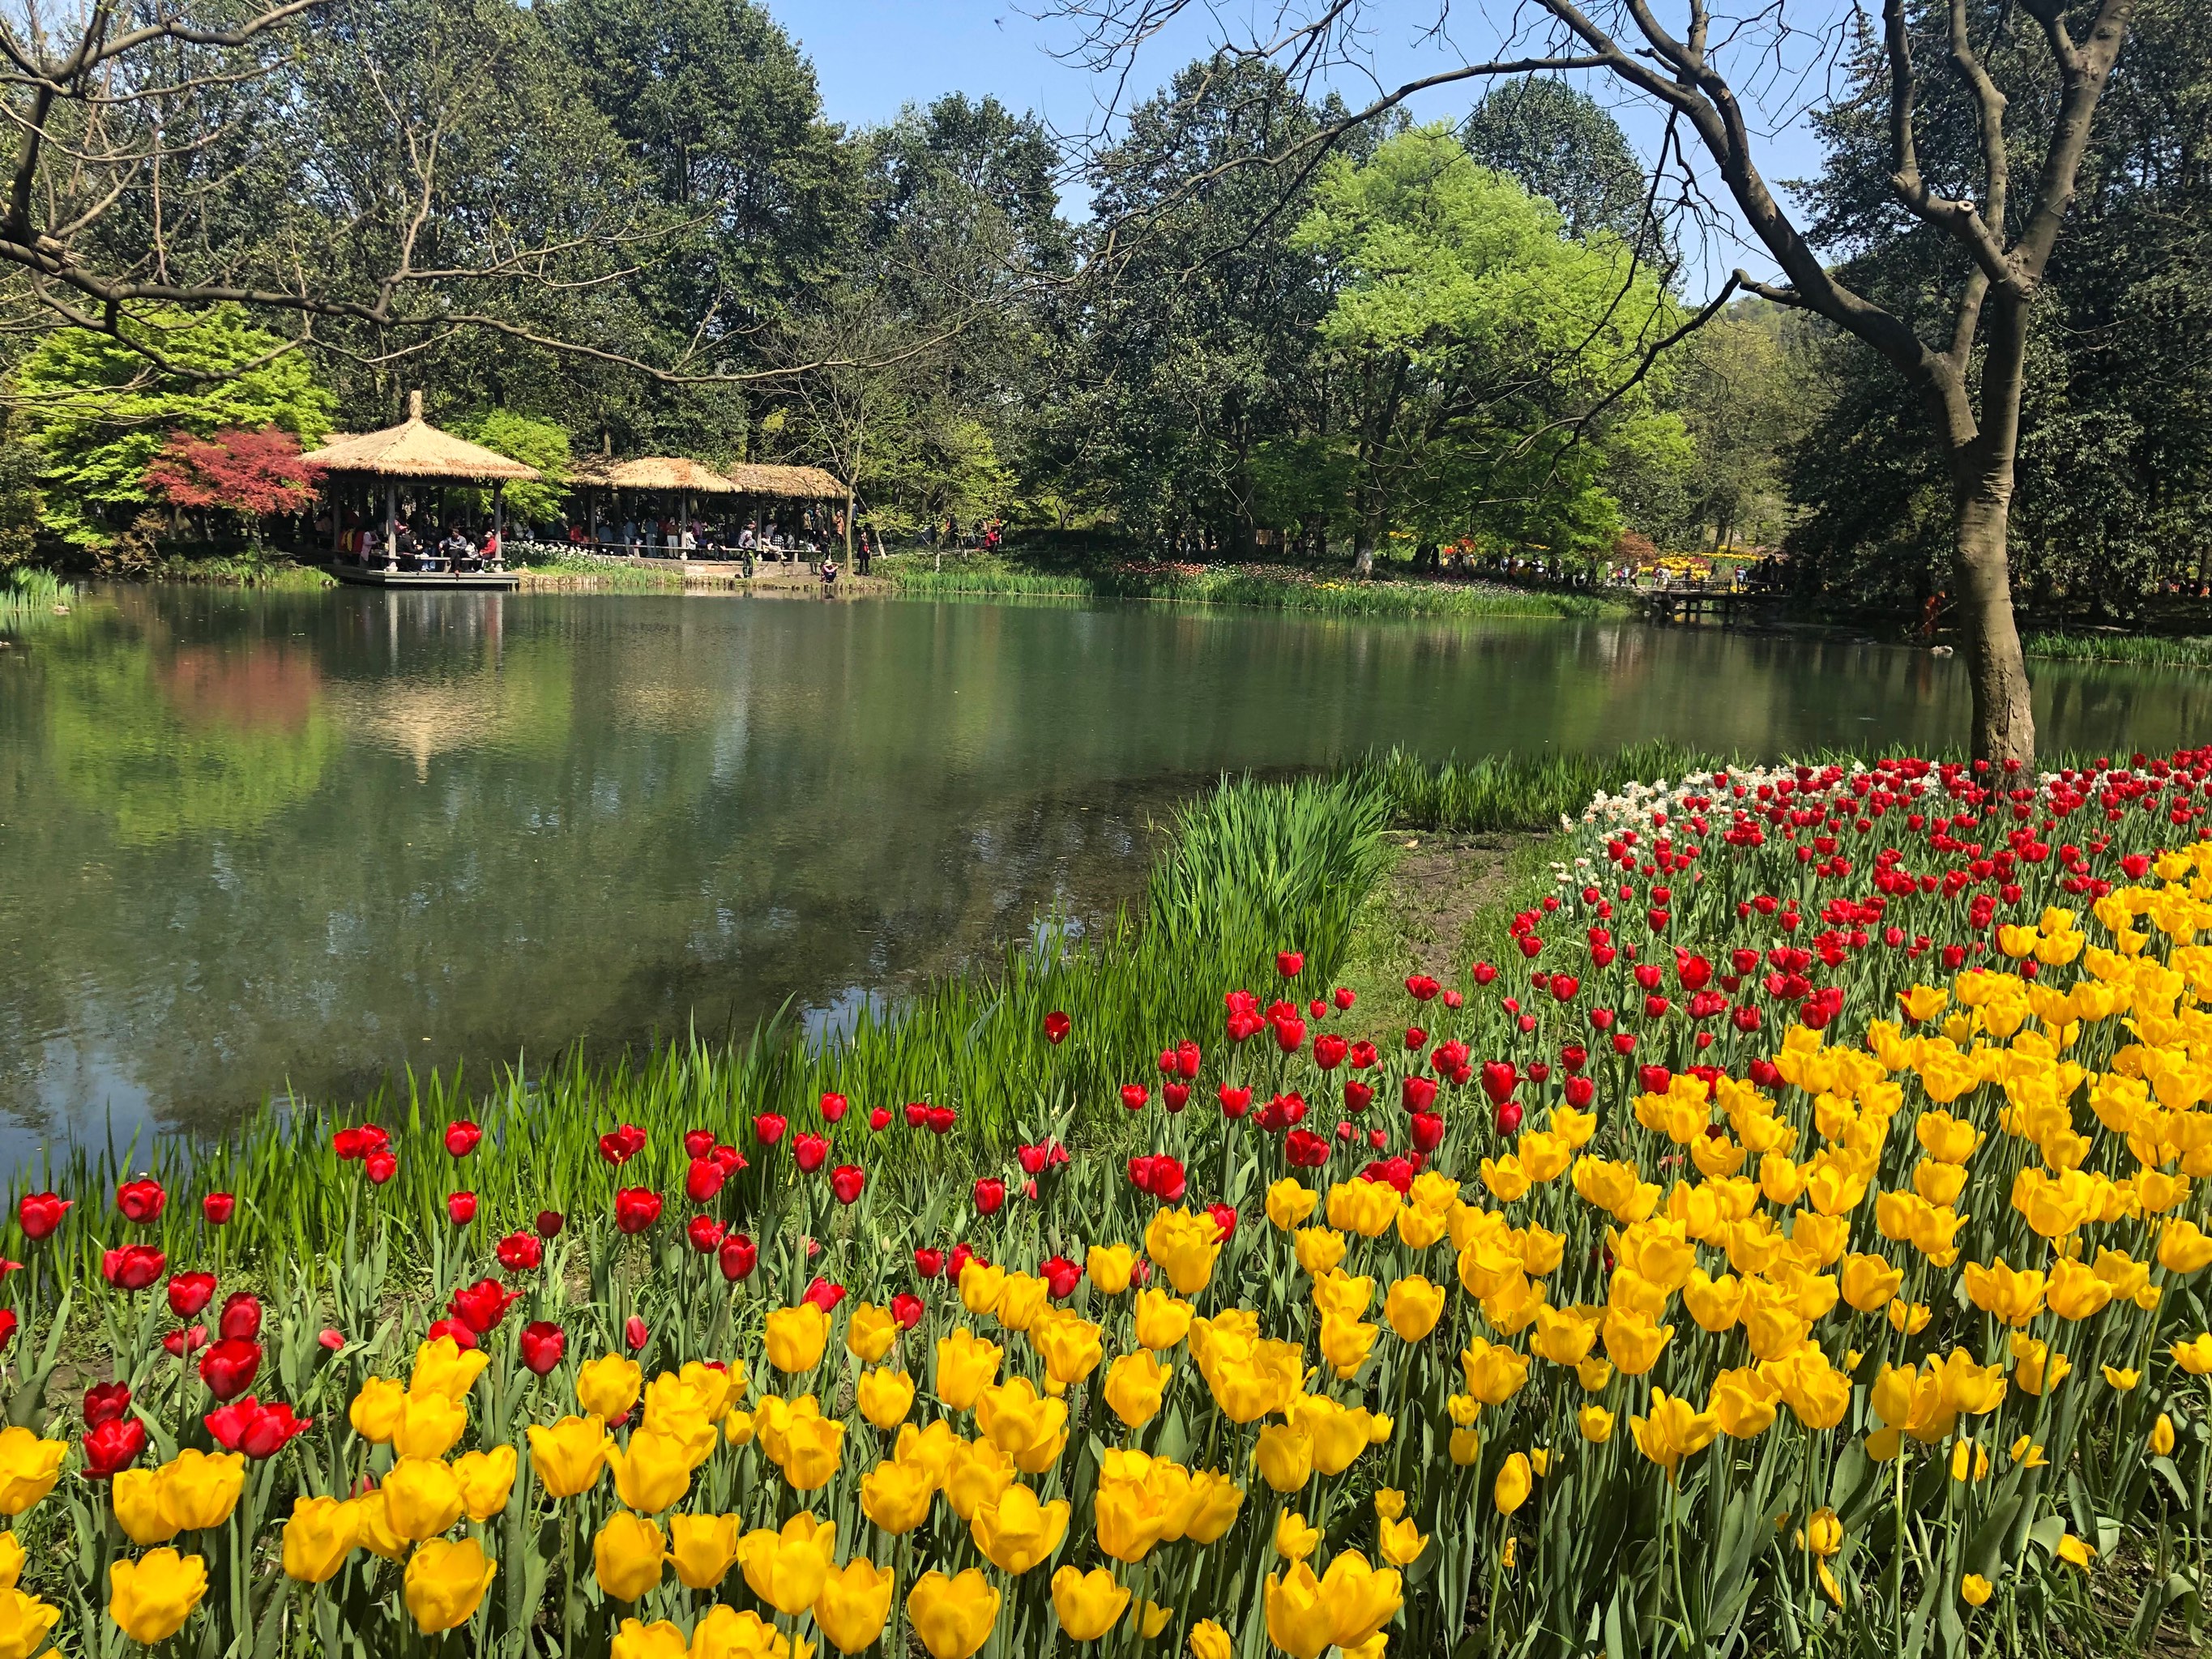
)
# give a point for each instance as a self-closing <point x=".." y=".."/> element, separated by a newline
<point x="260" y="842"/>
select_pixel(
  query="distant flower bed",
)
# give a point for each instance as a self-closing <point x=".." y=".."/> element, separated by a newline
<point x="1798" y="1236"/>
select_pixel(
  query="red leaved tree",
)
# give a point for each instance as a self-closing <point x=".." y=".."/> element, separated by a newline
<point x="253" y="474"/>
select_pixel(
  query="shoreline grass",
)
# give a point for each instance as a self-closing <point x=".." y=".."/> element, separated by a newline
<point x="1384" y="597"/>
<point x="2137" y="650"/>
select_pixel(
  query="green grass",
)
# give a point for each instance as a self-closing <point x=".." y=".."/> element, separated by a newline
<point x="1251" y="868"/>
<point x="1388" y="597"/>
<point x="275" y="572"/>
<point x="29" y="596"/>
<point x="1511" y="791"/>
<point x="609" y="575"/>
<point x="2149" y="651"/>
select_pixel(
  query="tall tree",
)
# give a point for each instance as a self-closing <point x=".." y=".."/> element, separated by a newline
<point x="1999" y="221"/>
<point x="1560" y="144"/>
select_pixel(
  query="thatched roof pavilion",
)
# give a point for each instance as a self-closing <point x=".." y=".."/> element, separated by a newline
<point x="602" y="479"/>
<point x="802" y="484"/>
<point x="417" y="451"/>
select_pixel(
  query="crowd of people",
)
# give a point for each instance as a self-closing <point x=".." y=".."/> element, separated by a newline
<point x="415" y="544"/>
<point x="805" y="541"/>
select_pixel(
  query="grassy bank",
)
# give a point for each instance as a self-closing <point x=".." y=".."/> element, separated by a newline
<point x="1273" y="589"/>
<point x="2147" y="651"/>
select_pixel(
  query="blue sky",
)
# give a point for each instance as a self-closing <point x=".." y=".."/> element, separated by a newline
<point x="874" y="56"/>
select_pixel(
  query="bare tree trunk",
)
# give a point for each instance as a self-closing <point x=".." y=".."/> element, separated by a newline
<point x="2004" y="717"/>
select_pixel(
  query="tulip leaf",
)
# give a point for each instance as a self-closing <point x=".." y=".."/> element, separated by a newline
<point x="2046" y="1533"/>
<point x="1985" y="1554"/>
<point x="2165" y="1469"/>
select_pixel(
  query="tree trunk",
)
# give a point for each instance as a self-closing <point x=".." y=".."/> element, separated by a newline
<point x="2004" y="718"/>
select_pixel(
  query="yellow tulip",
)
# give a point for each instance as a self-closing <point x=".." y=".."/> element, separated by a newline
<point x="375" y="1411"/>
<point x="1015" y="1531"/>
<point x="2194" y="1355"/>
<point x="487" y="1478"/>
<point x="1285" y="1456"/>
<point x="1289" y="1203"/>
<point x="1026" y="1425"/>
<point x="627" y="1555"/>
<point x="1344" y="1608"/>
<point x="896" y="1496"/>
<point x="1139" y="1499"/>
<point x="429" y="1426"/>
<point x="1512" y="1488"/>
<point x="981" y="1287"/>
<point x="1150" y="1618"/>
<point x="725" y="1633"/>
<point x="568" y="1457"/>
<point x="813" y="1449"/>
<point x="1494" y="1375"/>
<point x="2074" y="1292"/>
<point x="1184" y="1246"/>
<point x="1400" y="1542"/>
<point x="885" y="1397"/>
<point x="1210" y="1508"/>
<point x="200" y="1489"/>
<point x="444" y="1366"/>
<point x="1069" y="1345"/>
<point x="787" y="1568"/>
<point x="1294" y="1539"/>
<point x="609" y="1386"/>
<point x="445" y="1582"/>
<point x="1318" y="1250"/>
<point x="1021" y="1301"/>
<point x="1208" y="1640"/>
<point x="976" y="1473"/>
<point x="25" y="1623"/>
<point x="321" y="1533"/>
<point x="1362" y="1206"/>
<point x="965" y="1365"/>
<point x="2076" y="1552"/>
<point x="855" y="1604"/>
<point x="11" y="1560"/>
<point x="1109" y="1267"/>
<point x="28" y="1469"/>
<point x="796" y="1337"/>
<point x="1345" y="1343"/>
<point x="868" y="1335"/>
<point x="2121" y="1381"/>
<point x="702" y="1548"/>
<point x="1162" y="1320"/>
<point x="374" y="1523"/>
<point x="1632" y="1341"/>
<point x="952" y="1616"/>
<point x="421" y="1498"/>
<point x="1743" y="1403"/>
<point x="1869" y="1282"/>
<point x="663" y="1639"/>
<point x="2162" y="1437"/>
<point x="1089" y="1604"/>
<point x="1465" y="1446"/>
<point x="1413" y="1306"/>
<point x="1974" y="1590"/>
<point x="150" y="1598"/>
<point x="2183" y="1248"/>
<point x="1824" y="1532"/>
<point x="1135" y="1383"/>
<point x="1595" y="1423"/>
<point x="1674" y="1430"/>
<point x="136" y="1495"/>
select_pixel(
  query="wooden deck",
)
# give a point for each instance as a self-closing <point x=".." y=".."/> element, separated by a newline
<point x="498" y="581"/>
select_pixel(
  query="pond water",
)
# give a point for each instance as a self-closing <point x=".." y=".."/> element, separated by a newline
<point x="250" y="842"/>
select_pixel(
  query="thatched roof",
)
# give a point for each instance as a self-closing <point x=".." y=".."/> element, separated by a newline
<point x="415" y="449"/>
<point x="806" y="483"/>
<point x="674" y="473"/>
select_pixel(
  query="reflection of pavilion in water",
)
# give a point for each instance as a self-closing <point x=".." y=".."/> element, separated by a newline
<point x="462" y="705"/>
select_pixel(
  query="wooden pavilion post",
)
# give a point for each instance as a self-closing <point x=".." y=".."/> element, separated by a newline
<point x="392" y="522"/>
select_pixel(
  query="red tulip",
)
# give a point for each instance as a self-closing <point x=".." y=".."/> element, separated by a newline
<point x="464" y="1337"/>
<point x="1425" y="1131"/>
<point x="258" y="1430"/>
<point x="635" y="1334"/>
<point x="141" y="1200"/>
<point x="1421" y="988"/>
<point x="990" y="1195"/>
<point x="1290" y="1033"/>
<point x="105" y="1402"/>
<point x="1134" y="1095"/>
<point x="917" y="1113"/>
<point x="1061" y="1277"/>
<point x="736" y="1256"/>
<point x="636" y="1208"/>
<point x="112" y="1446"/>
<point x="1289" y="964"/>
<point x="461" y="1208"/>
<point x="132" y="1267"/>
<point x="1579" y="1090"/>
<point x="1499" y="1079"/>
<point x="1344" y="997"/>
<point x="462" y="1136"/>
<point x="879" y="1119"/>
<point x="332" y="1338"/>
<point x="768" y="1127"/>
<point x="928" y="1263"/>
<point x="1484" y="973"/>
<point x="218" y="1208"/>
<point x="809" y="1151"/>
<point x="961" y="1256"/>
<point x="187" y="1339"/>
<point x="705" y="1234"/>
<point x="1508" y="1117"/>
<point x="905" y="1307"/>
<point x="521" y="1253"/>
<point x="1358" y="1096"/>
<point x="1329" y="1051"/>
<point x="703" y="1180"/>
<point x="240" y="1319"/>
<point x="1305" y="1150"/>
<point x="189" y="1293"/>
<point x="380" y="1167"/>
<point x="40" y="1213"/>
<point x="482" y="1306"/>
<point x="1224" y="1218"/>
<point x="846" y="1181"/>
<point x="824" y="1294"/>
<point x="697" y="1143"/>
<point x="1055" y="1027"/>
<point x="833" y="1108"/>
<point x="1419" y="1093"/>
<point x="227" y="1368"/>
<point x="544" y="1342"/>
<point x="621" y="1143"/>
<point x="1174" y="1095"/>
<point x="730" y="1158"/>
<point x="548" y="1224"/>
<point x="1160" y="1175"/>
<point x="1235" y="1103"/>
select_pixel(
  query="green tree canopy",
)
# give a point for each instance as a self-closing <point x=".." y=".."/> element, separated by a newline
<point x="534" y="443"/>
<point x="97" y="411"/>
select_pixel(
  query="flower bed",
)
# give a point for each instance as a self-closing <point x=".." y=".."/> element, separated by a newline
<point x="1795" y="1240"/>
